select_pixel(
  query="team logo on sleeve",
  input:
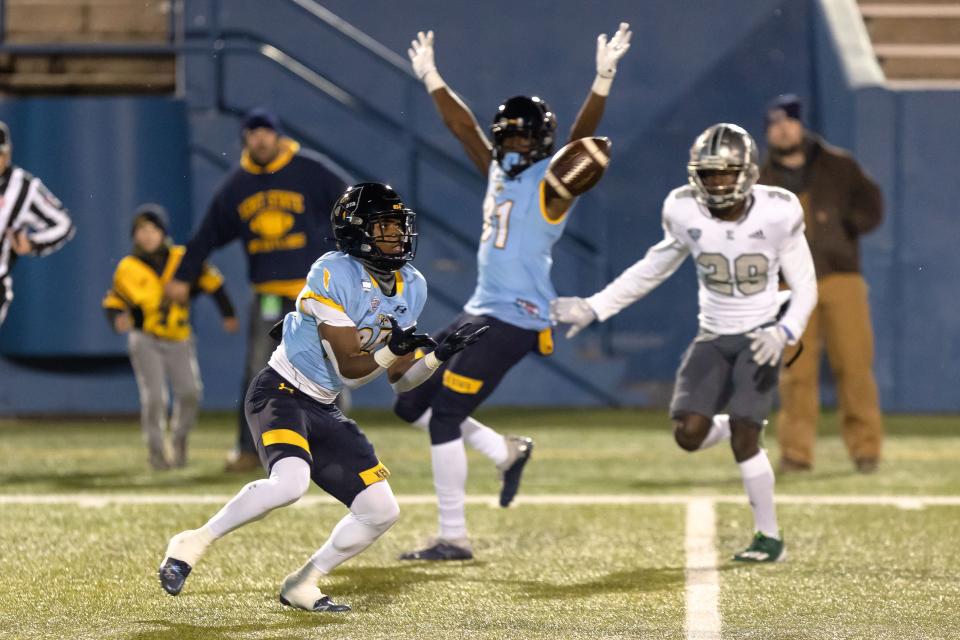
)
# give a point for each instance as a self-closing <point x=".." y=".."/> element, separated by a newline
<point x="695" y="234"/>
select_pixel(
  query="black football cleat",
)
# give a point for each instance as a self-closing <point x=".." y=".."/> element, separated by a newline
<point x="520" y="449"/>
<point x="440" y="551"/>
<point x="173" y="573"/>
<point x="324" y="604"/>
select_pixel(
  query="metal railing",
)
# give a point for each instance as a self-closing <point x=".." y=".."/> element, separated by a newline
<point x="224" y="43"/>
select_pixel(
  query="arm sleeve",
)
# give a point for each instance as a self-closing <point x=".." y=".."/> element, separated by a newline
<point x="50" y="226"/>
<point x="866" y="202"/>
<point x="796" y="265"/>
<point x="416" y="375"/>
<point x="660" y="262"/>
<point x="113" y="306"/>
<point x="219" y="227"/>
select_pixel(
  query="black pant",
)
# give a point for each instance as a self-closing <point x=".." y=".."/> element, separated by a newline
<point x="260" y="346"/>
<point x="468" y="378"/>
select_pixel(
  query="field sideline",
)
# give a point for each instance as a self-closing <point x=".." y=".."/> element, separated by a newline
<point x="616" y="534"/>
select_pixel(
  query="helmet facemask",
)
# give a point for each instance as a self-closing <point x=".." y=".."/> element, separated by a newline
<point x="526" y="118"/>
<point x="371" y="223"/>
<point x="722" y="149"/>
<point x="401" y="242"/>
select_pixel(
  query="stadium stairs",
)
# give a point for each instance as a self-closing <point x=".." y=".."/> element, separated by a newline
<point x="916" y="42"/>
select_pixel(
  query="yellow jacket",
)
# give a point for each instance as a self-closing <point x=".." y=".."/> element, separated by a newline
<point x="138" y="289"/>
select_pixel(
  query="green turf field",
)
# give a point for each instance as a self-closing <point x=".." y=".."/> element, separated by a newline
<point x="609" y="564"/>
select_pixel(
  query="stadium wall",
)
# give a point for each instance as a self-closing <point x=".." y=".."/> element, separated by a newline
<point x="674" y="82"/>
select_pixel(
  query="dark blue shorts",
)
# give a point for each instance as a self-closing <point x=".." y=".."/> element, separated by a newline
<point x="468" y="378"/>
<point x="286" y="422"/>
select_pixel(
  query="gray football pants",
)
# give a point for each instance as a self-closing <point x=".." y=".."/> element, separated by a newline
<point x="155" y="362"/>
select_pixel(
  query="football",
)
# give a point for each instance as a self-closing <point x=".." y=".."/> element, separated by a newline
<point x="578" y="166"/>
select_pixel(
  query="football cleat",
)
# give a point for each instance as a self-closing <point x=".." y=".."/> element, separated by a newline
<point x="173" y="574"/>
<point x="440" y="550"/>
<point x="762" y="549"/>
<point x="323" y="604"/>
<point x="519" y="449"/>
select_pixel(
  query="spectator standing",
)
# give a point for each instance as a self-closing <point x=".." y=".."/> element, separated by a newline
<point x="277" y="202"/>
<point x="840" y="204"/>
<point x="159" y="341"/>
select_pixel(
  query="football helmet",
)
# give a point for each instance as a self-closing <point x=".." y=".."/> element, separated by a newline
<point x="354" y="220"/>
<point x="528" y="117"/>
<point x="723" y="147"/>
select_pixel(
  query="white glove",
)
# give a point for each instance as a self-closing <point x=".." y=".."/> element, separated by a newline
<point x="609" y="53"/>
<point x="768" y="344"/>
<point x="573" y="311"/>
<point x="421" y="54"/>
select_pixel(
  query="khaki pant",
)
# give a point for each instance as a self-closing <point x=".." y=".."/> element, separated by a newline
<point x="841" y="323"/>
<point x="156" y="361"/>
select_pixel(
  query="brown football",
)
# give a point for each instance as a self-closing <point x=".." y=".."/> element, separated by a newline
<point x="578" y="166"/>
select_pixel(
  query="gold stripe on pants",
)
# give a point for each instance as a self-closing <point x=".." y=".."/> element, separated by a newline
<point x="841" y="323"/>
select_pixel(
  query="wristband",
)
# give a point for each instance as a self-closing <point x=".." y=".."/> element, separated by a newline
<point x="432" y="361"/>
<point x="385" y="357"/>
<point x="433" y="81"/>
<point x="601" y="85"/>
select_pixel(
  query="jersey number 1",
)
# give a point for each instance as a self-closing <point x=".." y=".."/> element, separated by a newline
<point x="496" y="215"/>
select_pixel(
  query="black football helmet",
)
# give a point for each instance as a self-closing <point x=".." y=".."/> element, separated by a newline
<point x="354" y="220"/>
<point x="723" y="147"/>
<point x="529" y="117"/>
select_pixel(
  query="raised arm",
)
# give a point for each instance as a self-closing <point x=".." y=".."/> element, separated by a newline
<point x="608" y="55"/>
<point x="660" y="262"/>
<point x="456" y="115"/>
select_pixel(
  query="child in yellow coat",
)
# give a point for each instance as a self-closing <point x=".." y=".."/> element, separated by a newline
<point x="159" y="339"/>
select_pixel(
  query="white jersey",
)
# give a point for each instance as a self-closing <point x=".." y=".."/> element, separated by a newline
<point x="738" y="263"/>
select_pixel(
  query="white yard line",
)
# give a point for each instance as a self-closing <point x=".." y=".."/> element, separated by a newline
<point x="102" y="499"/>
<point x="703" y="581"/>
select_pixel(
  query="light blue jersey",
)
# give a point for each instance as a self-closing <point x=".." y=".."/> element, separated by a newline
<point x="514" y="259"/>
<point x="340" y="282"/>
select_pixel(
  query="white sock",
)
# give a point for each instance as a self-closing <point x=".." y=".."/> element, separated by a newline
<point x="719" y="431"/>
<point x="476" y="435"/>
<point x="450" y="481"/>
<point x="373" y="511"/>
<point x="289" y="480"/>
<point x="758" y="481"/>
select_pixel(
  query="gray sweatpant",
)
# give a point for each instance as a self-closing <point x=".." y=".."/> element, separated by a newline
<point x="156" y="361"/>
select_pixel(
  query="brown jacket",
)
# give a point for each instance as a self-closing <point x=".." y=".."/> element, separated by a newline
<point x="840" y="202"/>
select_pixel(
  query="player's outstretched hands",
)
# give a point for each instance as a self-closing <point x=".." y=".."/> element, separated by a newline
<point x="573" y="311"/>
<point x="404" y="341"/>
<point x="768" y="344"/>
<point x="421" y="54"/>
<point x="459" y="340"/>
<point x="608" y="53"/>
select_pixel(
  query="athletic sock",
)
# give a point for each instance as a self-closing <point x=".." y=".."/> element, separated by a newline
<point x="719" y="431"/>
<point x="758" y="481"/>
<point x="372" y="512"/>
<point x="476" y="435"/>
<point x="288" y="481"/>
<point x="450" y="479"/>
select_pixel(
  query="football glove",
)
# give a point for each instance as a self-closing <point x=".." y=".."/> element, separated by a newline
<point x="421" y="54"/>
<point x="404" y="341"/>
<point x="459" y="340"/>
<point x="768" y="344"/>
<point x="573" y="311"/>
<point x="608" y="53"/>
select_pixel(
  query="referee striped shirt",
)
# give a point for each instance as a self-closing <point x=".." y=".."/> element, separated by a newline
<point x="27" y="205"/>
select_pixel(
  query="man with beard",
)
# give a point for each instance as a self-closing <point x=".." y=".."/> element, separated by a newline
<point x="840" y="203"/>
<point x="278" y="203"/>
